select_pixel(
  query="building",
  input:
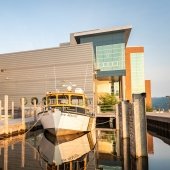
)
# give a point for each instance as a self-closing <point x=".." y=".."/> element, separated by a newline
<point x="109" y="57"/>
<point x="32" y="73"/>
<point x="94" y="60"/>
<point x="148" y="94"/>
<point x="135" y="79"/>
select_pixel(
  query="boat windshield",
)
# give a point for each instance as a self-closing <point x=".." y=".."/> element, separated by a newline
<point x="51" y="100"/>
<point x="77" y="100"/>
<point x="72" y="100"/>
<point x="63" y="99"/>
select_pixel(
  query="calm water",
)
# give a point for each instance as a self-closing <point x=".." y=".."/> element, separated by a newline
<point x="43" y="151"/>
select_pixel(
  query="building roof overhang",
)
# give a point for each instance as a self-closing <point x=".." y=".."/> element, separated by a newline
<point x="125" y="29"/>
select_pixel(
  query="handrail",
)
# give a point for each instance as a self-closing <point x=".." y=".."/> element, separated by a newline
<point x="105" y="108"/>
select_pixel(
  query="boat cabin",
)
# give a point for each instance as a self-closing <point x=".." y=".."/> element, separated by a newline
<point x="67" y="101"/>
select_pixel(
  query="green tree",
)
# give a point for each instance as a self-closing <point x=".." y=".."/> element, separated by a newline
<point x="106" y="102"/>
<point x="149" y="109"/>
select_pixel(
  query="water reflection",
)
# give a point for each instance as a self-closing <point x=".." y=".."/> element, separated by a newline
<point x="126" y="154"/>
<point x="160" y="158"/>
<point x="106" y="153"/>
<point x="41" y="150"/>
<point x="44" y="151"/>
<point x="17" y="153"/>
<point x="67" y="152"/>
<point x="114" y="152"/>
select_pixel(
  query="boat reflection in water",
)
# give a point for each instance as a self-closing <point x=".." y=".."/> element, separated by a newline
<point x="67" y="152"/>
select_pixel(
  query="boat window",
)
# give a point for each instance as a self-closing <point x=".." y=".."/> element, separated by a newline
<point x="63" y="99"/>
<point x="51" y="100"/>
<point x="77" y="100"/>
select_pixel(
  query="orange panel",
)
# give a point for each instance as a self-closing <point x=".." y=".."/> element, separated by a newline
<point x="128" y="51"/>
<point x="148" y="93"/>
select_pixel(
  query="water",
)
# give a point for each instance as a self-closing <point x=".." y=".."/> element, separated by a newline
<point x="160" y="158"/>
<point x="161" y="103"/>
<point x="82" y="152"/>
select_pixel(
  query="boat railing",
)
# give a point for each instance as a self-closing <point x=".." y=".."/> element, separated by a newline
<point x="71" y="109"/>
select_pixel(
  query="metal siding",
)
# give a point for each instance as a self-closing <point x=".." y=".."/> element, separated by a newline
<point x="32" y="73"/>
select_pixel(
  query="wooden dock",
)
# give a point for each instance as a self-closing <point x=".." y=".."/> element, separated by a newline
<point x="10" y="126"/>
<point x="16" y="126"/>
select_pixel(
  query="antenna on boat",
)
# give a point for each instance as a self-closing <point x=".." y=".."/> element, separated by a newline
<point x="69" y="86"/>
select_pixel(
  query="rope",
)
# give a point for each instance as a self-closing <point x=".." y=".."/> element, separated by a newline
<point x="103" y="122"/>
<point x="45" y="112"/>
<point x="35" y="123"/>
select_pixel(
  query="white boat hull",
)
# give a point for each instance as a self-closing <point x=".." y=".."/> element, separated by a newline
<point x="63" y="123"/>
<point x="58" y="153"/>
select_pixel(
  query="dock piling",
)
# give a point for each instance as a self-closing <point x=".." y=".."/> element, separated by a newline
<point x="23" y="152"/>
<point x="12" y="111"/>
<point x="117" y="117"/>
<point x="23" y="112"/>
<point x="140" y="124"/>
<point x="6" y="114"/>
<point x="0" y="109"/>
<point x="5" y="155"/>
<point x="35" y="108"/>
<point x="125" y="116"/>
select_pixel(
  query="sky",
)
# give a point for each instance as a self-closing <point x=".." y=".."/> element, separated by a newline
<point x="35" y="24"/>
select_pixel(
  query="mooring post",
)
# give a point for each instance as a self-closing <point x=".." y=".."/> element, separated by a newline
<point x="35" y="108"/>
<point x="142" y="163"/>
<point x="125" y="115"/>
<point x="5" y="155"/>
<point x="117" y="117"/>
<point x="126" y="154"/>
<point x="23" y="112"/>
<point x="0" y="109"/>
<point x="140" y="124"/>
<point x="118" y="143"/>
<point x="12" y="112"/>
<point x="23" y="152"/>
<point x="6" y="114"/>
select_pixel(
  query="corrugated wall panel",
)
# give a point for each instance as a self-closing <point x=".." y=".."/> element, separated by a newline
<point x="32" y="73"/>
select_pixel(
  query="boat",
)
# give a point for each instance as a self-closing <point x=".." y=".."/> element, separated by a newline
<point x="66" y="150"/>
<point x="67" y="113"/>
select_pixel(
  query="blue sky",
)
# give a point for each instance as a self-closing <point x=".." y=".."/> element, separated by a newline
<point x="34" y="24"/>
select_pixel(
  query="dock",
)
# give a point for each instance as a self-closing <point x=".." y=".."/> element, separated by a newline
<point x="16" y="126"/>
<point x="161" y="117"/>
<point x="159" y="124"/>
<point x="11" y="126"/>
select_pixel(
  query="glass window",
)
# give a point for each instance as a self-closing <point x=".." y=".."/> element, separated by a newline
<point x="63" y="99"/>
<point x="77" y="100"/>
<point x="108" y="48"/>
<point x="137" y="72"/>
<point x="51" y="100"/>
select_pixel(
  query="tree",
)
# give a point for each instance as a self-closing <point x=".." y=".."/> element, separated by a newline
<point x="106" y="101"/>
<point x="149" y="109"/>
